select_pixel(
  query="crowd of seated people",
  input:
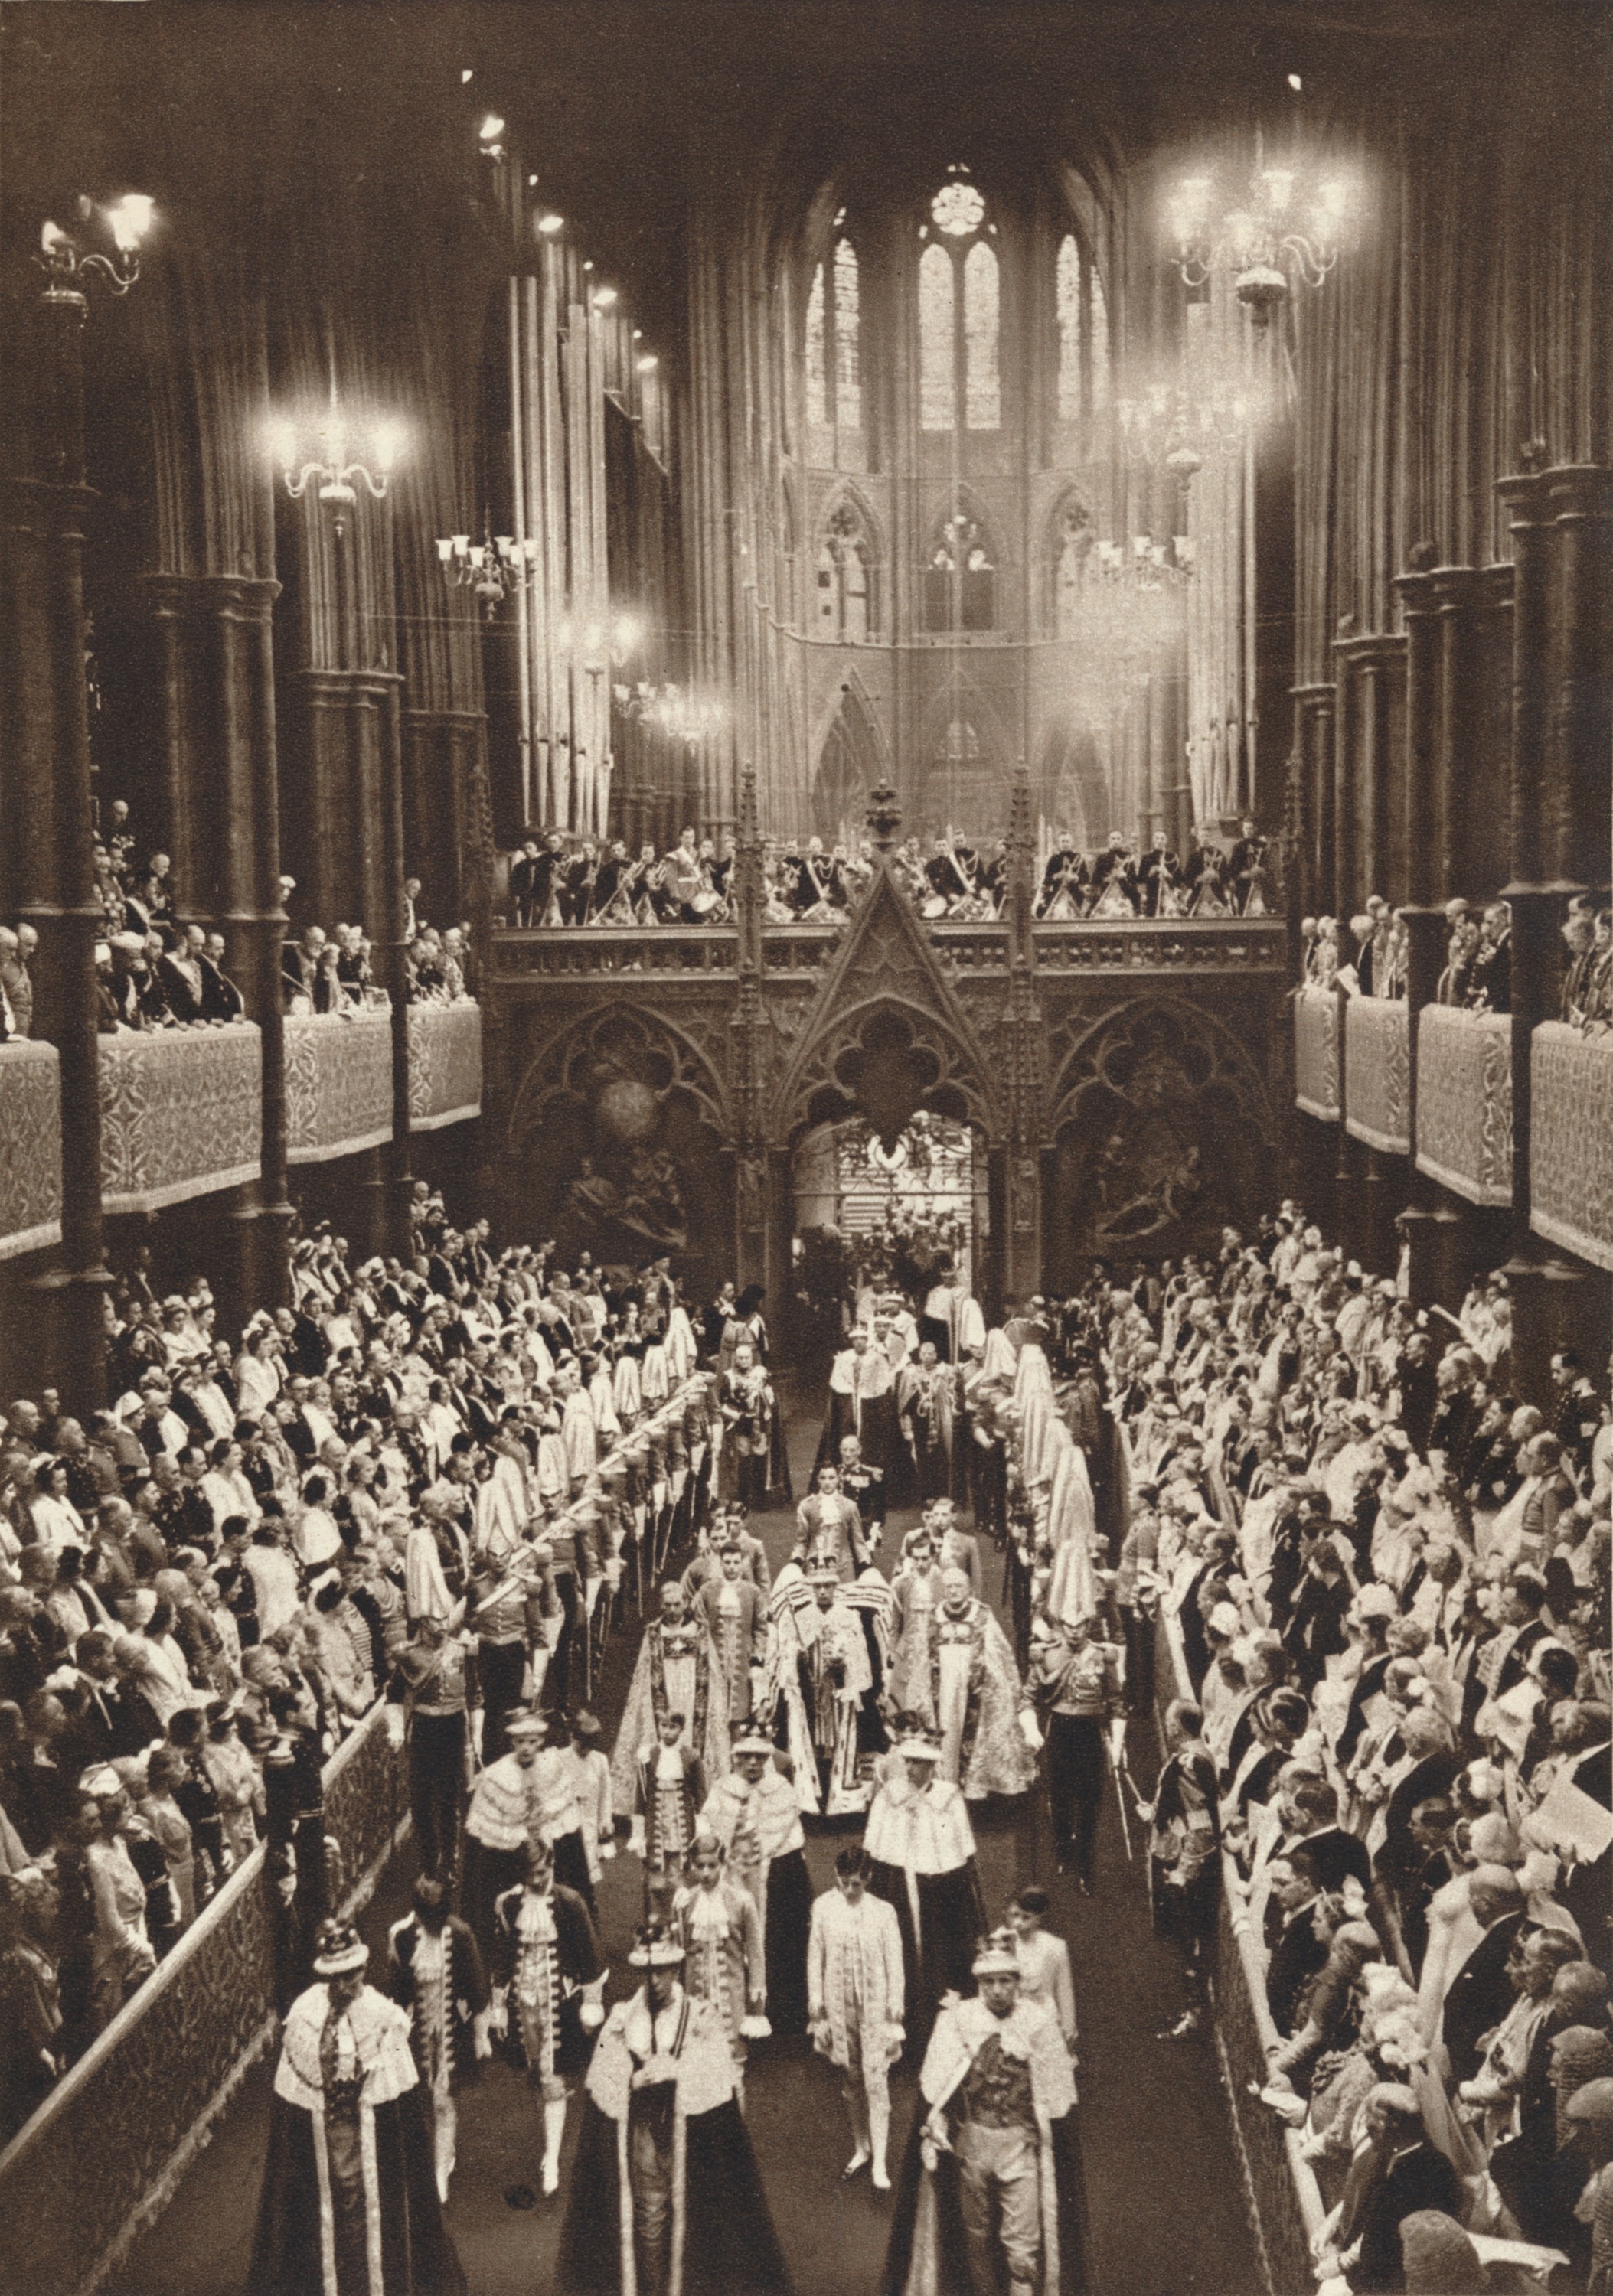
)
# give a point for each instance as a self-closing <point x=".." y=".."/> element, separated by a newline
<point x="1587" y="997"/>
<point x="332" y="973"/>
<point x="151" y="970"/>
<point x="560" y="879"/>
<point x="1477" y="975"/>
<point x="1388" y="1583"/>
<point x="204" y="1588"/>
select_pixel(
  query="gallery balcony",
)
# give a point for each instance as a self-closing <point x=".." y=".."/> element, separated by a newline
<point x="1147" y="945"/>
<point x="30" y="1148"/>
<point x="181" y="1114"/>
<point x="1353" y="1064"/>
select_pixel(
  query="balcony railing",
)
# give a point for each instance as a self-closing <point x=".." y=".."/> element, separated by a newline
<point x="1571" y="1141"/>
<point x="1464" y="1101"/>
<point x="181" y="1114"/>
<point x="445" y="1064"/>
<point x="1377" y="1074"/>
<point x="1318" y="1054"/>
<point x="1163" y="945"/>
<point x="30" y="1148"/>
<point x="1121" y="944"/>
<point x="338" y="1083"/>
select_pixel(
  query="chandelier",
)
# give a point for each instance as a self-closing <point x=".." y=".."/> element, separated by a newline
<point x="1129" y="606"/>
<point x="67" y="268"/>
<point x="493" y="568"/>
<point x="329" y="453"/>
<point x="1286" y="218"/>
<point x="671" y="710"/>
<point x="1179" y="427"/>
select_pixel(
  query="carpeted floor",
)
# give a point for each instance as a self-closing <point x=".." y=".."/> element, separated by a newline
<point x="1163" y="2193"/>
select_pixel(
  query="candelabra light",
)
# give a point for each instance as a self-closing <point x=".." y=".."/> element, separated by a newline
<point x="331" y="456"/>
<point x="1285" y="220"/>
<point x="1130" y="605"/>
<point x="673" y="711"/>
<point x="494" y="568"/>
<point x="68" y="265"/>
<point x="599" y="645"/>
<point x="1178" y="427"/>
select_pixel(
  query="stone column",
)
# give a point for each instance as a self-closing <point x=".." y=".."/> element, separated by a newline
<point x="440" y="757"/>
<point x="352" y="856"/>
<point x="1422" y="1221"/>
<point x="1423" y="834"/>
<point x="48" y="876"/>
<point x="1310" y="855"/>
<point x="1541" y="814"/>
<point x="1362" y="767"/>
<point x="1461" y="602"/>
<point x="1574" y="800"/>
<point x="1331" y="894"/>
<point x="215" y="636"/>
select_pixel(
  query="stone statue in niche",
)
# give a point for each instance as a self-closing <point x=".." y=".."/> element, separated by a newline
<point x="753" y="1193"/>
<point x="615" y="1148"/>
<point x="1161" y="1138"/>
<point x="625" y="1195"/>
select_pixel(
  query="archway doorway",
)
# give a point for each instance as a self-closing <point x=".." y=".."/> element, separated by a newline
<point x="869" y="1219"/>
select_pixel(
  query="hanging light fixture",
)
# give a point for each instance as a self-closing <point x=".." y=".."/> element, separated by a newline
<point x="494" y="568"/>
<point x="329" y="453"/>
<point x="1129" y="605"/>
<point x="67" y="266"/>
<point x="1286" y="219"/>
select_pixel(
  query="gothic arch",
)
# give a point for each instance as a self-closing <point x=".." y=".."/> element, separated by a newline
<point x="1162" y="1134"/>
<point x="965" y="762"/>
<point x="886" y="1033"/>
<point x="850" y="755"/>
<point x="1071" y="790"/>
<point x="959" y="499"/>
<point x="1082" y="1056"/>
<point x="646" y="1047"/>
<point x="847" y="599"/>
<point x="614" y="1142"/>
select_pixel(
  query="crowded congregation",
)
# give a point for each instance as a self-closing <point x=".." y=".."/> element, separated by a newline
<point x="806" y="1150"/>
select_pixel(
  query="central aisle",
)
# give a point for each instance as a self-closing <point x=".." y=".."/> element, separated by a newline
<point x="1163" y="2183"/>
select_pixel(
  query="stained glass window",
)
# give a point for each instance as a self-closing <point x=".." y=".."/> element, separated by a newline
<point x="1068" y="288"/>
<point x="848" y="368"/>
<point x="817" y="354"/>
<point x="957" y="209"/>
<point x="982" y="396"/>
<point x="937" y="389"/>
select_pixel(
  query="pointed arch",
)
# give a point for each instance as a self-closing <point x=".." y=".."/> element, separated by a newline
<point x="817" y="353"/>
<point x="937" y="379"/>
<point x="966" y="762"/>
<point x="982" y="331"/>
<point x="1148" y="1029"/>
<point x="1072" y="791"/>
<point x="1067" y="307"/>
<point x="851" y="758"/>
<point x="848" y="339"/>
<point x="886" y="1031"/>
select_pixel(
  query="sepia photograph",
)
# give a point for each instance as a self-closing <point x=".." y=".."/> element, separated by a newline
<point x="806" y="1147"/>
